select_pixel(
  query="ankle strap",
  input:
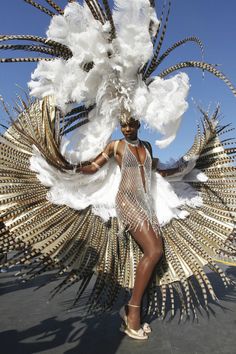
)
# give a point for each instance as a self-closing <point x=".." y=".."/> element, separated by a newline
<point x="133" y="305"/>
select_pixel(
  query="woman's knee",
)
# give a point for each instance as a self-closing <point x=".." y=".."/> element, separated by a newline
<point x="155" y="254"/>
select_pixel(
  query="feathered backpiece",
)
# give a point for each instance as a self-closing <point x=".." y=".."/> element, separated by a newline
<point x="101" y="65"/>
<point x="101" y="62"/>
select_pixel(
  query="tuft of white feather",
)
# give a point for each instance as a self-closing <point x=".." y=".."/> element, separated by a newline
<point x="162" y="104"/>
<point x="113" y="83"/>
<point x="132" y="20"/>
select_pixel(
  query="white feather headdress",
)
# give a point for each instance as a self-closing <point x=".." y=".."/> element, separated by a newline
<point x="105" y="62"/>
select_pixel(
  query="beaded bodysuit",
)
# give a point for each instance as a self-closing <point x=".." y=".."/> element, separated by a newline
<point x="134" y="204"/>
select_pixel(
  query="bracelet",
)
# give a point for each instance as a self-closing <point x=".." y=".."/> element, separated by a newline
<point x="105" y="155"/>
<point x="95" y="165"/>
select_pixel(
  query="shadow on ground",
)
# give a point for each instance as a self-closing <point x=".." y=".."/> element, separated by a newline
<point x="59" y="329"/>
<point x="52" y="333"/>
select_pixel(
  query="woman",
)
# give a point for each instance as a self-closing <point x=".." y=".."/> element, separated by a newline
<point x="135" y="211"/>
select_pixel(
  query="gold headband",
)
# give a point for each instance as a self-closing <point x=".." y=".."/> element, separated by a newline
<point x="125" y="116"/>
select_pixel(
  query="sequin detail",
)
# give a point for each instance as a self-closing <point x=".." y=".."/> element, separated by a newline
<point x="134" y="203"/>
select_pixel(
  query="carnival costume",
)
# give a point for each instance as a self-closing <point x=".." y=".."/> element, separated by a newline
<point x="98" y="68"/>
<point x="134" y="203"/>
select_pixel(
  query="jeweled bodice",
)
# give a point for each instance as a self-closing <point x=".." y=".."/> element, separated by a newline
<point x="133" y="200"/>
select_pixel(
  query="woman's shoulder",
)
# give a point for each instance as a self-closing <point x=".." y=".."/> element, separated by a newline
<point x="116" y="142"/>
<point x="116" y="146"/>
<point x="112" y="146"/>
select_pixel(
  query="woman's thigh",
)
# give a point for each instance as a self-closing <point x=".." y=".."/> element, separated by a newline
<point x="147" y="239"/>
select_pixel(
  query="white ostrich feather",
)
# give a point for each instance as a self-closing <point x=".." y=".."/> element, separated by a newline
<point x="113" y="83"/>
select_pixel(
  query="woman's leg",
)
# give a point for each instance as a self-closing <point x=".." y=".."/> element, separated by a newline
<point x="151" y="245"/>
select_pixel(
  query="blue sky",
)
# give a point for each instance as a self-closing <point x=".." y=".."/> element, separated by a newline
<point x="213" y="21"/>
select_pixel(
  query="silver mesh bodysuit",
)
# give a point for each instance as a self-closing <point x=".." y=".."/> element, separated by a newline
<point x="134" y="203"/>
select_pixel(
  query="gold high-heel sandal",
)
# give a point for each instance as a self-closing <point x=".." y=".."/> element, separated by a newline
<point x="145" y="326"/>
<point x="133" y="333"/>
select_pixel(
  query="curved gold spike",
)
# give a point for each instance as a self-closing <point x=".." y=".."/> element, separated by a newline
<point x="40" y="7"/>
<point x="200" y="65"/>
<point x="79" y="124"/>
<point x="24" y="60"/>
<point x="55" y="7"/>
<point x="93" y="10"/>
<point x="154" y="40"/>
<point x="99" y="10"/>
<point x="157" y="51"/>
<point x="34" y="48"/>
<point x="110" y="18"/>
<point x="49" y="42"/>
<point x="155" y="63"/>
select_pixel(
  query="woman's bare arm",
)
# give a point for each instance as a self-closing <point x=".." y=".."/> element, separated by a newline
<point x="162" y="172"/>
<point x="168" y="171"/>
<point x="94" y="165"/>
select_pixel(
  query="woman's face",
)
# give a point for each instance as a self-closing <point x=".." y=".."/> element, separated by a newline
<point x="130" y="129"/>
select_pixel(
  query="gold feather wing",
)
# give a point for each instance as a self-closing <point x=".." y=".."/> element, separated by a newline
<point x="41" y="236"/>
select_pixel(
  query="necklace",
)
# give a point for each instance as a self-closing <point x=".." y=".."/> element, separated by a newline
<point x="135" y="142"/>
